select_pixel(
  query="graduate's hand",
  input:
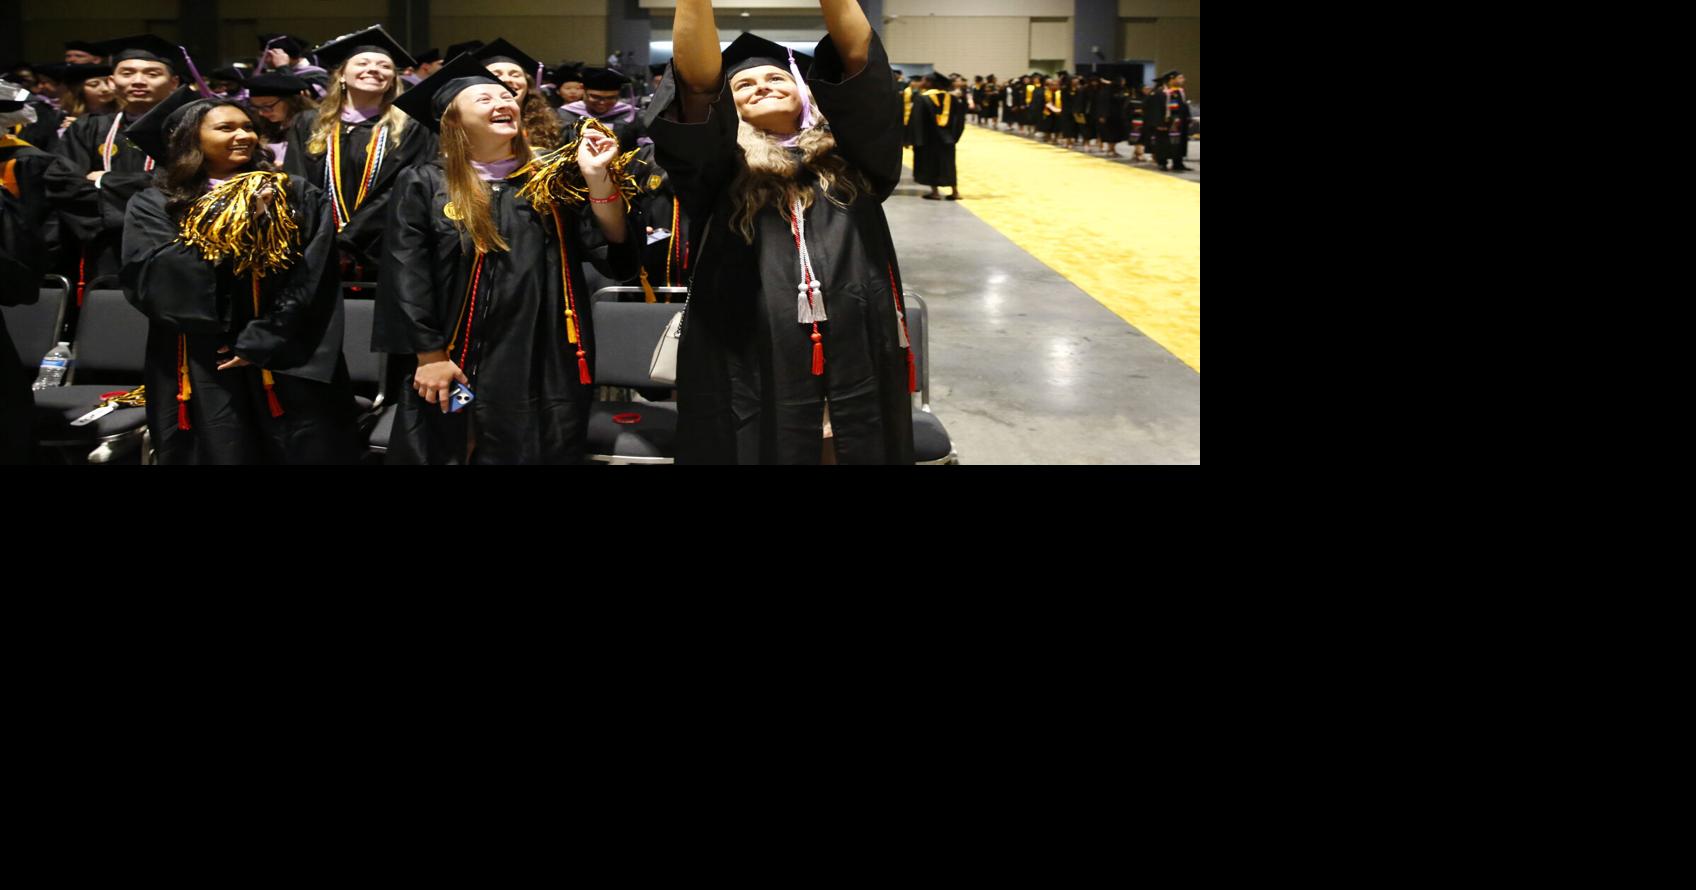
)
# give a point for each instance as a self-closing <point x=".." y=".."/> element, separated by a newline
<point x="593" y="156"/>
<point x="434" y="380"/>
<point x="95" y="176"/>
<point x="237" y="362"/>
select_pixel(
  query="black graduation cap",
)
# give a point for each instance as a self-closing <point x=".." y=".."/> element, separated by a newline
<point x="82" y="46"/>
<point x="75" y="75"/>
<point x="603" y="79"/>
<point x="374" y="39"/>
<point x="427" y="56"/>
<point x="749" y="50"/>
<point x="565" y="74"/>
<point x="939" y="80"/>
<point x="54" y="71"/>
<point x="502" y="51"/>
<point x="288" y="43"/>
<point x="230" y="73"/>
<point x="273" y="84"/>
<point x="1168" y="76"/>
<point x="152" y="131"/>
<point x="143" y="46"/>
<point x="12" y="96"/>
<point x="431" y="97"/>
<point x="469" y="46"/>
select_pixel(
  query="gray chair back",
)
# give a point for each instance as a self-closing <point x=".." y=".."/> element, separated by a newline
<point x="363" y="366"/>
<point x="917" y="332"/>
<point x="34" y="328"/>
<point x="623" y="293"/>
<point x="111" y="336"/>
<point x="625" y="336"/>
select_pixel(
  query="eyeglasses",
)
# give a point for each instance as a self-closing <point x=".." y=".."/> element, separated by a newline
<point x="264" y="106"/>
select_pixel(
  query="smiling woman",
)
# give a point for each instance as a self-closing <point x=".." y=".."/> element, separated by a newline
<point x="232" y="264"/>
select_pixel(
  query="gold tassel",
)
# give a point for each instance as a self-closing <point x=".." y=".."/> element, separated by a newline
<point x="555" y="178"/>
<point x="227" y="223"/>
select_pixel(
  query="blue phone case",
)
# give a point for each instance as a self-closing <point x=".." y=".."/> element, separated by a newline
<point x="459" y="398"/>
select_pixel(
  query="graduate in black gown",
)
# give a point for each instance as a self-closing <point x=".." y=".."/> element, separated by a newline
<point x="24" y="256"/>
<point x="665" y="261"/>
<point x="233" y="263"/>
<point x="483" y="282"/>
<point x="106" y="170"/>
<point x="355" y="145"/>
<point x="88" y="90"/>
<point x="1153" y="115"/>
<point x="1172" y="144"/>
<point x="602" y="101"/>
<point x="939" y="117"/>
<point x="795" y="347"/>
<point x="1111" y="123"/>
<point x="286" y="54"/>
<point x="277" y="99"/>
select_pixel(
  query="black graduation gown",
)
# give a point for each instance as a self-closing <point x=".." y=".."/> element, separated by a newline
<point x="1072" y="104"/>
<point x="1153" y="116"/>
<point x="361" y="239"/>
<point x="23" y="257"/>
<point x="297" y="334"/>
<point x="92" y="218"/>
<point x="1036" y="106"/>
<point x="627" y="131"/>
<point x="529" y="405"/>
<point x="934" y="139"/>
<point x="1110" y="111"/>
<point x="44" y="133"/>
<point x="746" y="393"/>
<point x="1174" y="142"/>
<point x="665" y="260"/>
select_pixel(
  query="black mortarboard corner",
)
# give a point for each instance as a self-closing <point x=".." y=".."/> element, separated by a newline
<point x="285" y="42"/>
<point x="1168" y="76"/>
<point x="152" y="131"/>
<point x="431" y="97"/>
<point x="54" y="71"/>
<point x="12" y="96"/>
<point x="273" y="84"/>
<point x="143" y="46"/>
<point x="229" y="73"/>
<point x="75" y="75"/>
<point x="469" y="46"/>
<point x="502" y="51"/>
<point x="568" y="74"/>
<point x="603" y="79"/>
<point x="427" y="56"/>
<point x="749" y="50"/>
<point x="374" y="39"/>
<point x="938" y="80"/>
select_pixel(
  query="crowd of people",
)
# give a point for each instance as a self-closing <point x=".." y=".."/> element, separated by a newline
<point x="1087" y="112"/>
<point x="472" y="194"/>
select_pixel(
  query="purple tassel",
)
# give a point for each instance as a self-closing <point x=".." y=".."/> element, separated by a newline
<point x="205" y="91"/>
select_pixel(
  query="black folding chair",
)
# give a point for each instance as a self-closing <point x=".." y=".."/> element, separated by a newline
<point x="32" y="326"/>
<point x="931" y="444"/>
<point x="109" y="352"/>
<point x="629" y="431"/>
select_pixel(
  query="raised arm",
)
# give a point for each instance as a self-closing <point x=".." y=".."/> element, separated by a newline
<point x="849" y="31"/>
<point x="695" y="56"/>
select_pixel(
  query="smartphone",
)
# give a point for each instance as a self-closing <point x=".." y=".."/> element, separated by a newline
<point x="459" y="398"/>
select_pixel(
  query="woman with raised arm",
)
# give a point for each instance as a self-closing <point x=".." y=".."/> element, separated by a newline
<point x="795" y="343"/>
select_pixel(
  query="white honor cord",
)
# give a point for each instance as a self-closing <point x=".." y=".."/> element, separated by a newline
<point x="809" y="302"/>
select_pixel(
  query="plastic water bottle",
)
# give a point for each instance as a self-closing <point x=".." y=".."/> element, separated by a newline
<point x="54" y="366"/>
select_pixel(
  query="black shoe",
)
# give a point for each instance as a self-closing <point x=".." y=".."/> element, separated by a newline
<point x="1180" y="169"/>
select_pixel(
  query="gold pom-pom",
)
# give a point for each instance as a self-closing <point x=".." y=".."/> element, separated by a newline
<point x="232" y="222"/>
<point x="556" y="179"/>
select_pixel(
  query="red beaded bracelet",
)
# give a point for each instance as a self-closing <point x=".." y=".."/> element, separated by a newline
<point x="607" y="200"/>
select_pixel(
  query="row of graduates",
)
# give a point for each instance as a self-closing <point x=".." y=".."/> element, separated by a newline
<point x="344" y="121"/>
<point x="479" y="240"/>
<point x="1090" y="112"/>
<point x="933" y="117"/>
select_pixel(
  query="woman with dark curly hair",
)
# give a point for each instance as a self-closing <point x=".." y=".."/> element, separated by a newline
<point x="233" y="262"/>
<point x="794" y="342"/>
<point x="509" y="65"/>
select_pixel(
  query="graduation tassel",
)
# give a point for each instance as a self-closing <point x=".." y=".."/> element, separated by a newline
<point x="583" y="367"/>
<point x="647" y="289"/>
<point x="901" y="332"/>
<point x="818" y="352"/>
<point x="565" y="281"/>
<point x="184" y="390"/>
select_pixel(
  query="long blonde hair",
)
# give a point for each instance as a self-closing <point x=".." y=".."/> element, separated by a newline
<point x="330" y="113"/>
<point x="466" y="190"/>
<point x="769" y="174"/>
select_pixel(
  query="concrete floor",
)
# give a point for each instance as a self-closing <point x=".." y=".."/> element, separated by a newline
<point x="1026" y="368"/>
